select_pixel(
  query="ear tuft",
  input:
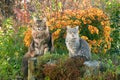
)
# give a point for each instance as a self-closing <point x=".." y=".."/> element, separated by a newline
<point x="47" y="28"/>
<point x="77" y="27"/>
<point x="44" y="19"/>
<point x="68" y="27"/>
<point x="35" y="19"/>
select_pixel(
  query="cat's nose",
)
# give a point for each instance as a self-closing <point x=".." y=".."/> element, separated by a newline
<point x="73" y="35"/>
<point x="39" y="28"/>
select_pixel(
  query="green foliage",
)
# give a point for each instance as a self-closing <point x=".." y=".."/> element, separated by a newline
<point x="111" y="62"/>
<point x="113" y="9"/>
<point x="48" y="57"/>
<point x="59" y="44"/>
<point x="110" y="70"/>
<point x="11" y="50"/>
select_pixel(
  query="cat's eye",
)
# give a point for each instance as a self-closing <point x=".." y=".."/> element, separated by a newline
<point x="40" y="28"/>
<point x="74" y="32"/>
<point x="38" y="21"/>
<point x="37" y="24"/>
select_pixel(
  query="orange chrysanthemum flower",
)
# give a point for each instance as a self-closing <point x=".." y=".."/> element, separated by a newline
<point x="27" y="38"/>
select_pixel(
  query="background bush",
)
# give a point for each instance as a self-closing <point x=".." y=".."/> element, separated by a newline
<point x="112" y="8"/>
<point x="11" y="50"/>
<point x="93" y="23"/>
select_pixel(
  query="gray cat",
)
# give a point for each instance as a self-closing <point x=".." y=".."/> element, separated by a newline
<point x="75" y="45"/>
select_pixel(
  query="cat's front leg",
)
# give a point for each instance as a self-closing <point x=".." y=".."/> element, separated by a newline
<point x="41" y="51"/>
<point x="36" y="51"/>
<point x="52" y="49"/>
<point x="46" y="50"/>
<point x="71" y="54"/>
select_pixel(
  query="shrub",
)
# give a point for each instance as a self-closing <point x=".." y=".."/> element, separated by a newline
<point x="60" y="67"/>
<point x="94" y="27"/>
<point x="113" y="10"/>
<point x="11" y="50"/>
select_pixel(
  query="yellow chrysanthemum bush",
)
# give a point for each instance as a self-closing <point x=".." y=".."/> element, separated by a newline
<point x="94" y="27"/>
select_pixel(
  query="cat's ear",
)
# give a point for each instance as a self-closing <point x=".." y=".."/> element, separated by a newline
<point x="47" y="28"/>
<point x="35" y="19"/>
<point x="77" y="27"/>
<point x="44" y="19"/>
<point x="68" y="27"/>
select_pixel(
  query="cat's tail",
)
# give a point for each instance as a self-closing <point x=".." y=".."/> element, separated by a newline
<point x="24" y="68"/>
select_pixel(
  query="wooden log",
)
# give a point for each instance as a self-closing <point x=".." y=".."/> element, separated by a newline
<point x="31" y="68"/>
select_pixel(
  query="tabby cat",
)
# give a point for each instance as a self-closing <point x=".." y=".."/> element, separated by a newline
<point x="41" y="43"/>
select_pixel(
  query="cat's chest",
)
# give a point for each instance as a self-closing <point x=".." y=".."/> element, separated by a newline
<point x="40" y="38"/>
<point x="73" y="42"/>
<point x="40" y="35"/>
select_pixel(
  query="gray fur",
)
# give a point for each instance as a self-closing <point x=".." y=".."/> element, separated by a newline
<point x="75" y="45"/>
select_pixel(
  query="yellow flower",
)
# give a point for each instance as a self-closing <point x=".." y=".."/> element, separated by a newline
<point x="105" y="50"/>
<point x="65" y="17"/>
<point x="91" y="16"/>
<point x="99" y="12"/>
<point x="27" y="38"/>
<point x="69" y="22"/>
<point x="95" y="50"/>
<point x="93" y="29"/>
<point x="48" y="23"/>
<point x="99" y="42"/>
<point x="52" y="27"/>
<point x="76" y="22"/>
<point x="84" y="37"/>
<point x="84" y="20"/>
<point x="68" y="12"/>
<point x="92" y="42"/>
<point x="104" y="23"/>
<point x="107" y="28"/>
<point x="78" y="16"/>
<point x="89" y="21"/>
<point x="63" y="24"/>
<point x="52" y="20"/>
<point x="55" y="35"/>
